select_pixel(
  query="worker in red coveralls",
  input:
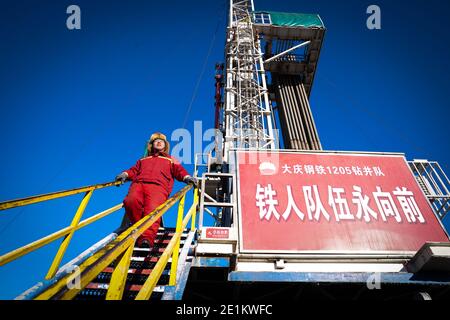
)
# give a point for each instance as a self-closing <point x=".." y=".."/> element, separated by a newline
<point x="152" y="181"/>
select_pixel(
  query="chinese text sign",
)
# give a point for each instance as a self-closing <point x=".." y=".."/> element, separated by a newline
<point x="332" y="202"/>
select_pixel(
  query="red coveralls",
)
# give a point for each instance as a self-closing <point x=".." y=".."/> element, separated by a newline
<point x="152" y="178"/>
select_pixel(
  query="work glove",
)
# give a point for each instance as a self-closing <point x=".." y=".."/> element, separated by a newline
<point x="122" y="177"/>
<point x="191" y="180"/>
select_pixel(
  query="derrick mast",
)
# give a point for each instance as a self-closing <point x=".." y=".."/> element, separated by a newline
<point x="248" y="121"/>
<point x="293" y="222"/>
<point x="273" y="197"/>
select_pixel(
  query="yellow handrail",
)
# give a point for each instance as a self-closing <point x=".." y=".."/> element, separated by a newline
<point x="179" y="228"/>
<point x="153" y="278"/>
<point x="119" y="276"/>
<point x="53" y="195"/>
<point x="173" y="268"/>
<point x="65" y="232"/>
<point x="90" y="268"/>
<point x="194" y="217"/>
<point x="17" y="253"/>
<point x="119" y="249"/>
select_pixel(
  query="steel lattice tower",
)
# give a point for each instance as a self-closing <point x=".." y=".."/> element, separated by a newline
<point x="248" y="119"/>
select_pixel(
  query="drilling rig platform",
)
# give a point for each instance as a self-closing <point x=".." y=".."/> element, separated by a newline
<point x="292" y="222"/>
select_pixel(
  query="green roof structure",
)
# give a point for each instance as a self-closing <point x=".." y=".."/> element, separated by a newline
<point x="286" y="19"/>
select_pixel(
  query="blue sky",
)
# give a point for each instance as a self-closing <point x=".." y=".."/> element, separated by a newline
<point x="77" y="106"/>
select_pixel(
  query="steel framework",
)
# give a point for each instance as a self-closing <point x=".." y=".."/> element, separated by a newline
<point x="248" y="114"/>
<point x="434" y="183"/>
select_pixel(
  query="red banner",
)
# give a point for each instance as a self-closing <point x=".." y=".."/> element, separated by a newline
<point x="292" y="202"/>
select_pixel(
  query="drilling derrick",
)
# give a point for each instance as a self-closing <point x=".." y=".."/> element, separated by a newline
<point x="261" y="239"/>
<point x="270" y="222"/>
<point x="292" y="44"/>
<point x="248" y="116"/>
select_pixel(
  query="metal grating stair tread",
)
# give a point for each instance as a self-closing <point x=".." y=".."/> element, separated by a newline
<point x="142" y="262"/>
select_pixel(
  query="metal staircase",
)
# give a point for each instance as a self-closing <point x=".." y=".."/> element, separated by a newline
<point x="113" y="268"/>
<point x="142" y="263"/>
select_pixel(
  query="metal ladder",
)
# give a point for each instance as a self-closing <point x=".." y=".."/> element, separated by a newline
<point x="434" y="183"/>
<point x="212" y="190"/>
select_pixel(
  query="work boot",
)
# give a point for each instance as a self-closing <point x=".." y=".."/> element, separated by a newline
<point x="144" y="243"/>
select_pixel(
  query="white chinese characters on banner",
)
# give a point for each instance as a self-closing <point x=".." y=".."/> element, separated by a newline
<point x="362" y="202"/>
<point x="339" y="204"/>
<point x="409" y="205"/>
<point x="309" y="169"/>
<point x="386" y="207"/>
<point x="314" y="204"/>
<point x="266" y="202"/>
<point x="292" y="206"/>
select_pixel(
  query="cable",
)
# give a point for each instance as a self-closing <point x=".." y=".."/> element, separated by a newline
<point x="197" y="85"/>
<point x="100" y="129"/>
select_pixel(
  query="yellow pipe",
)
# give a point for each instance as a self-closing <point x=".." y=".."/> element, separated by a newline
<point x="65" y="244"/>
<point x="152" y="280"/>
<point x="111" y="254"/>
<point x="194" y="215"/>
<point x="54" y="195"/>
<point x="99" y="261"/>
<point x="119" y="276"/>
<point x="99" y="216"/>
<point x="17" y="253"/>
<point x="173" y="268"/>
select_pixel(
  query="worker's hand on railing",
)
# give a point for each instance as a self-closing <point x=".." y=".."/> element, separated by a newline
<point x="191" y="180"/>
<point x="122" y="177"/>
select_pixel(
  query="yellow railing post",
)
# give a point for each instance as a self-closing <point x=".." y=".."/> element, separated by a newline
<point x="122" y="247"/>
<point x="100" y="260"/>
<point x="173" y="268"/>
<point x="63" y="247"/>
<point x="33" y="246"/>
<point x="147" y="288"/>
<point x="119" y="276"/>
<point x="194" y="214"/>
<point x="65" y="232"/>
